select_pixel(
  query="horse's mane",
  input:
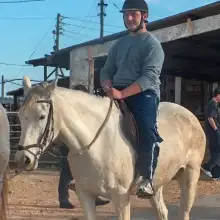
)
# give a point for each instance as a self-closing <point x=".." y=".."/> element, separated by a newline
<point x="76" y="96"/>
<point x="83" y="99"/>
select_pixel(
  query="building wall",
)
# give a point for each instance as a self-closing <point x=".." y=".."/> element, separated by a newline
<point x="80" y="62"/>
<point x="192" y="94"/>
<point x="174" y="88"/>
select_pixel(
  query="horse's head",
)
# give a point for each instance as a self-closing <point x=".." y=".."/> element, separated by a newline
<point x="38" y="128"/>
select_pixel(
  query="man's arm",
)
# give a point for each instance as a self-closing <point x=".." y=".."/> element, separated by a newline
<point x="212" y="123"/>
<point x="152" y="65"/>
<point x="109" y="69"/>
<point x="211" y="113"/>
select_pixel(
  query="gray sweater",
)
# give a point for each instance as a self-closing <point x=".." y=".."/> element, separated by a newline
<point x="135" y="59"/>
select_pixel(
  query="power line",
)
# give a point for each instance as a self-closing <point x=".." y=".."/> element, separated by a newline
<point x="33" y="52"/>
<point x="66" y="17"/>
<point x="76" y="33"/>
<point x="73" y="37"/>
<point x="17" y="84"/>
<point x="93" y="22"/>
<point x="85" y="23"/>
<point x="27" y="18"/>
<point x="38" y="44"/>
<point x="20" y="1"/>
<point x="12" y="64"/>
<point x="39" y="18"/>
<point x="94" y="29"/>
<point x="115" y="5"/>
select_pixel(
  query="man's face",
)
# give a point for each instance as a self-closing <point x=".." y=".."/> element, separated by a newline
<point x="132" y="19"/>
<point x="218" y="98"/>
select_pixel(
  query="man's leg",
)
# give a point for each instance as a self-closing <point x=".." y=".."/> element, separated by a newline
<point x="214" y="149"/>
<point x="144" y="108"/>
<point x="63" y="188"/>
<point x="213" y="161"/>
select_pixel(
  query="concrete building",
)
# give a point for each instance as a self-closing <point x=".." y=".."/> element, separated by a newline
<point x="191" y="41"/>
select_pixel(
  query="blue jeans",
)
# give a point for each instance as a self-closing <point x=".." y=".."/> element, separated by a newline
<point x="65" y="176"/>
<point x="144" y="107"/>
<point x="214" y="147"/>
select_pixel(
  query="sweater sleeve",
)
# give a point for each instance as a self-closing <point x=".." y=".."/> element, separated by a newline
<point x="153" y="59"/>
<point x="109" y="69"/>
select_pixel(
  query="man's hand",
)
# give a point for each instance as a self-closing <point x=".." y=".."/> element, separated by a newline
<point x="212" y="123"/>
<point x="114" y="93"/>
<point x="106" y="83"/>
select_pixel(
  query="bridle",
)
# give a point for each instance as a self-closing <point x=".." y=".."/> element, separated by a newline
<point x="49" y="131"/>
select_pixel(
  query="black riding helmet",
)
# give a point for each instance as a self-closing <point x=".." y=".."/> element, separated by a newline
<point x="139" y="5"/>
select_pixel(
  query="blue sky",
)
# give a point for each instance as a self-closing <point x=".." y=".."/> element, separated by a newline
<point x="19" y="37"/>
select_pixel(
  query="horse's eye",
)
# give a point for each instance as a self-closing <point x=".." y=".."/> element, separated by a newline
<point x="42" y="117"/>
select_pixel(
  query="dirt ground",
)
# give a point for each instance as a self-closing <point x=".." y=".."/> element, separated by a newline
<point x="34" y="196"/>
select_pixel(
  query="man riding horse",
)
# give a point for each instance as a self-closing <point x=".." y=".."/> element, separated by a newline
<point x="131" y="73"/>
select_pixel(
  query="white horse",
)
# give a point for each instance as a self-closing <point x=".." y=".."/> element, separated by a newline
<point x="4" y="160"/>
<point x="105" y="167"/>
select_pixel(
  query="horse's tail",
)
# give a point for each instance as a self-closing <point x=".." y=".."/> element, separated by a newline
<point x="4" y="195"/>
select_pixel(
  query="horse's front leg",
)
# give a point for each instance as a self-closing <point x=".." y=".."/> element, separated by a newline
<point x="122" y="206"/>
<point x="87" y="202"/>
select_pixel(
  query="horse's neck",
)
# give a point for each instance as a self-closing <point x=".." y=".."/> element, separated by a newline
<point x="81" y="121"/>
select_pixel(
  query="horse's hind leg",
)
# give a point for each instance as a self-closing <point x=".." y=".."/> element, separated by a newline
<point x="159" y="206"/>
<point x="188" y="183"/>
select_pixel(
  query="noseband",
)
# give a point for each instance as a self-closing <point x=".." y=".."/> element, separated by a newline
<point x="49" y="130"/>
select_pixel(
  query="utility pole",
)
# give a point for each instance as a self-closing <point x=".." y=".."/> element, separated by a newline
<point x="57" y="41"/>
<point x="102" y="15"/>
<point x="3" y="87"/>
<point x="57" y="36"/>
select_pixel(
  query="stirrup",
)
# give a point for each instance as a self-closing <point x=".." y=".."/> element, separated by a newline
<point x="143" y="190"/>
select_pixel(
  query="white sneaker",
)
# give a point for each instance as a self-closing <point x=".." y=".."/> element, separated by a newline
<point x="206" y="172"/>
<point x="146" y="186"/>
<point x="145" y="190"/>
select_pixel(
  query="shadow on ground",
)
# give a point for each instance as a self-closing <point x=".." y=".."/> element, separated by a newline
<point x="197" y="213"/>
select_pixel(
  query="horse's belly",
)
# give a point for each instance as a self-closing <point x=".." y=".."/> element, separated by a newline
<point x="99" y="178"/>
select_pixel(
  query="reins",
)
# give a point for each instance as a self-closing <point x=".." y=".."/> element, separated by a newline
<point x="47" y="131"/>
<point x="98" y="132"/>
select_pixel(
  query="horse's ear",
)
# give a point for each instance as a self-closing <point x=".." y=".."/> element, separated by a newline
<point x="26" y="85"/>
<point x="51" y="86"/>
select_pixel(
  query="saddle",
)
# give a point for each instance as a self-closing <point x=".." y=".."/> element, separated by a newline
<point x="128" y="124"/>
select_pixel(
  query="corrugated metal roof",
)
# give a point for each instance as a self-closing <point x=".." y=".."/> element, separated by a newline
<point x="62" y="82"/>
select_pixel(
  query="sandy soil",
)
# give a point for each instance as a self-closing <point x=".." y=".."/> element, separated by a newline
<point x="34" y="196"/>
